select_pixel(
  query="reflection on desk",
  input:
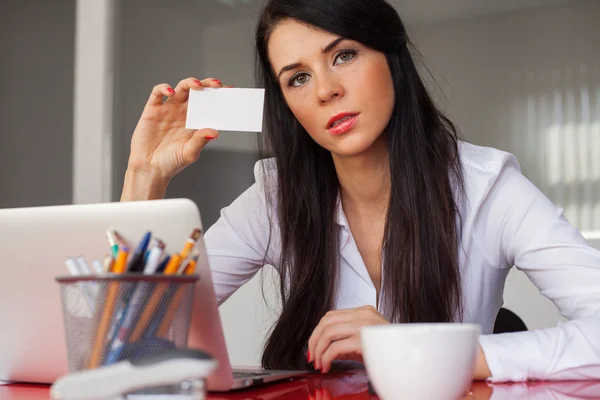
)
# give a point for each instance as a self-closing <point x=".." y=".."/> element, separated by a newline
<point x="354" y="386"/>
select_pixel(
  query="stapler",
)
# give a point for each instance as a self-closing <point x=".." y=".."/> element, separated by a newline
<point x="184" y="367"/>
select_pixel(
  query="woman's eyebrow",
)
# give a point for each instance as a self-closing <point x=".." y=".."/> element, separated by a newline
<point x="325" y="50"/>
<point x="331" y="45"/>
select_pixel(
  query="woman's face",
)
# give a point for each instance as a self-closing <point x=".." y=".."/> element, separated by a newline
<point x="339" y="90"/>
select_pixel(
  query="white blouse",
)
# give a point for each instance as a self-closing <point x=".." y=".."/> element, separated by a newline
<point x="506" y="221"/>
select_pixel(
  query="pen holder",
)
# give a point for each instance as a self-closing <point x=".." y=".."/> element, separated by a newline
<point x="111" y="318"/>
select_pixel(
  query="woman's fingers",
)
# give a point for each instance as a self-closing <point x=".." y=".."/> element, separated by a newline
<point x="331" y="318"/>
<point x="342" y="349"/>
<point x="182" y="90"/>
<point x="158" y="93"/>
<point x="196" y="143"/>
<point x="331" y="334"/>
<point x="212" y="82"/>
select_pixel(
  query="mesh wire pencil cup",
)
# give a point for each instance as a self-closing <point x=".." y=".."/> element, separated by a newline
<point x="110" y="318"/>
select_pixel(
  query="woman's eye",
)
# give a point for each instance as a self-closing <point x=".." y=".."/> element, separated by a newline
<point x="344" y="57"/>
<point x="298" y="80"/>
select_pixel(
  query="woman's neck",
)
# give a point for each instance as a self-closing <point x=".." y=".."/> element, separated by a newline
<point x="365" y="178"/>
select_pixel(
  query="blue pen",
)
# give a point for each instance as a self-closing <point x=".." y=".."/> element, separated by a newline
<point x="163" y="265"/>
<point x="137" y="261"/>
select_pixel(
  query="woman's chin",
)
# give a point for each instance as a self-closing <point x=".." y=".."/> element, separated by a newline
<point x="352" y="145"/>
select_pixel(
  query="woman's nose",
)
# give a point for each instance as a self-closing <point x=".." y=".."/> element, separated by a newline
<point x="328" y="88"/>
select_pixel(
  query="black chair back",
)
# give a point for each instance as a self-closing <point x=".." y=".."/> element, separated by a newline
<point x="508" y="321"/>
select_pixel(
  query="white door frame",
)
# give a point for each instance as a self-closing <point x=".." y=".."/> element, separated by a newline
<point x="92" y="124"/>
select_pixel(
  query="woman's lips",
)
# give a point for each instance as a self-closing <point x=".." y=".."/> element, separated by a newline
<point x="344" y="126"/>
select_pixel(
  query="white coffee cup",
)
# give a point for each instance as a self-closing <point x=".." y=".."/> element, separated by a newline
<point x="430" y="361"/>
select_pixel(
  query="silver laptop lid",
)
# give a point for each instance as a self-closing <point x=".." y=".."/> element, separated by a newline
<point x="34" y="243"/>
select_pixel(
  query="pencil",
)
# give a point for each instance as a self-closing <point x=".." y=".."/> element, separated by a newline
<point x="109" y="308"/>
<point x="156" y="297"/>
<point x="172" y="310"/>
<point x="190" y="243"/>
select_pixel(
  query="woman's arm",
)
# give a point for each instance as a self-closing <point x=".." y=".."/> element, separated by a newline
<point x="517" y="225"/>
<point x="482" y="370"/>
<point x="241" y="242"/>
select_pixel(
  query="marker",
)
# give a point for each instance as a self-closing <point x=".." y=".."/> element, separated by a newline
<point x="72" y="267"/>
<point x="97" y="268"/>
<point x="112" y="240"/>
<point x="83" y="266"/>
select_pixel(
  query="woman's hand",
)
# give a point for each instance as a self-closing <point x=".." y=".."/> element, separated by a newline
<point x="337" y="336"/>
<point x="161" y="146"/>
<point x="482" y="370"/>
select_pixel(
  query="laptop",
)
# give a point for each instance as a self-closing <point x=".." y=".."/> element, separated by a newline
<point x="34" y="244"/>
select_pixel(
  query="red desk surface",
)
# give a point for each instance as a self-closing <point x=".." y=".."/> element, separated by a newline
<point x="353" y="386"/>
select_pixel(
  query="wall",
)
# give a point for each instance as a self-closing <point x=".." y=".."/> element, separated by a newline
<point x="529" y="83"/>
<point x="36" y="111"/>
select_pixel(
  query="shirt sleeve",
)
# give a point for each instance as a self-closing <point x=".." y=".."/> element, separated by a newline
<point x="238" y="243"/>
<point x="519" y="226"/>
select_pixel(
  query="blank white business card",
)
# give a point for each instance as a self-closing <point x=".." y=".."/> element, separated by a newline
<point x="226" y="109"/>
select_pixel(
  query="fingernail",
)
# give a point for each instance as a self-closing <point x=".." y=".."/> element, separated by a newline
<point x="218" y="81"/>
<point x="171" y="90"/>
<point x="211" y="137"/>
<point x="308" y="356"/>
<point x="198" y="82"/>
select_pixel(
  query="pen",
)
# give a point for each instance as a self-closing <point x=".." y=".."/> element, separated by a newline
<point x="137" y="260"/>
<point x="163" y="265"/>
<point x="133" y="306"/>
<point x="152" y="245"/>
<point x="190" y="243"/>
<point x="154" y="257"/>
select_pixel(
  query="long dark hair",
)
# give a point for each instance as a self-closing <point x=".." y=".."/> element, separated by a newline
<point x="422" y="233"/>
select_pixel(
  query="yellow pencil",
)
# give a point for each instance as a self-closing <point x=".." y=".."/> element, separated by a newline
<point x="156" y="297"/>
<point x="172" y="310"/>
<point x="190" y="243"/>
<point x="109" y="308"/>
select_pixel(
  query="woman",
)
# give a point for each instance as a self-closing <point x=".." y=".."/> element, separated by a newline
<point x="372" y="210"/>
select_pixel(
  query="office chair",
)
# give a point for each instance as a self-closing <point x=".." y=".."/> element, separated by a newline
<point x="508" y="321"/>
